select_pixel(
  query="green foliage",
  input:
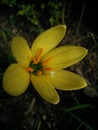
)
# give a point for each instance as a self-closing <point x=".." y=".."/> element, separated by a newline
<point x="33" y="14"/>
<point x="39" y="14"/>
<point x="55" y="17"/>
<point x="30" y="12"/>
<point x="10" y="3"/>
<point x="49" y="13"/>
<point x="3" y="35"/>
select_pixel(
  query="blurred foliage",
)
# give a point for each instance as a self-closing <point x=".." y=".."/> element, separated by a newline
<point x="10" y="3"/>
<point x="41" y="13"/>
<point x="30" y="12"/>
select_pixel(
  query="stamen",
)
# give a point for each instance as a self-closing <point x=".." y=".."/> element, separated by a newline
<point x="30" y="69"/>
<point x="39" y="55"/>
<point x="46" y="61"/>
<point x="34" y="60"/>
<point x="50" y="69"/>
<point x="39" y="72"/>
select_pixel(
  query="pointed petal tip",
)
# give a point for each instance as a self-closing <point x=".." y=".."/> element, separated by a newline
<point x="17" y="38"/>
<point x="85" y="84"/>
<point x="62" y="26"/>
<point x="85" y="52"/>
<point x="56" y="102"/>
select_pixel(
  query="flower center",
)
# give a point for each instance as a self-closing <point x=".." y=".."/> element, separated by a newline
<point x="36" y="66"/>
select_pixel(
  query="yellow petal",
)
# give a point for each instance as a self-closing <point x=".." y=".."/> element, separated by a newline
<point x="65" y="56"/>
<point x="21" y="51"/>
<point x="15" y="80"/>
<point x="45" y="89"/>
<point x="48" y="39"/>
<point x="65" y="80"/>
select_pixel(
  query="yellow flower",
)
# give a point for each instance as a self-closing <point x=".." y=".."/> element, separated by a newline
<point x="44" y="65"/>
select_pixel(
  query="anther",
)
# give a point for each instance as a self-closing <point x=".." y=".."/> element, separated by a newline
<point x="39" y="72"/>
<point x="34" y="60"/>
<point x="39" y="55"/>
<point x="46" y="61"/>
<point x="50" y="69"/>
<point x="30" y="69"/>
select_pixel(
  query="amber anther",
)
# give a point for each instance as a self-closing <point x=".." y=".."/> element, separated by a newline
<point x="34" y="60"/>
<point x="50" y="69"/>
<point x="30" y="69"/>
<point x="39" y="72"/>
<point x="39" y="54"/>
<point x="46" y="61"/>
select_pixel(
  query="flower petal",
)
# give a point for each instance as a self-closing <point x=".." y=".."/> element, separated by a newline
<point x="65" y="56"/>
<point x="21" y="51"/>
<point x="15" y="80"/>
<point x="65" y="80"/>
<point x="45" y="89"/>
<point x="48" y="39"/>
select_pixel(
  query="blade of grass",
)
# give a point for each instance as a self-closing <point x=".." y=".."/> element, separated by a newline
<point x="39" y="125"/>
<point x="78" y="128"/>
<point x="76" y="100"/>
<point x="3" y="34"/>
<point x="81" y="121"/>
<point x="78" y="107"/>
